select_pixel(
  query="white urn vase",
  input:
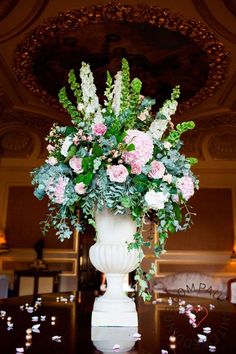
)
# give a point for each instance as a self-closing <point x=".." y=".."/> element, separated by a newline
<point x="110" y="255"/>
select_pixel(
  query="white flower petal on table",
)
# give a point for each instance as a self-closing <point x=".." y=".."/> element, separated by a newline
<point x="56" y="339"/>
<point x="201" y="338"/>
<point x="116" y="347"/>
<point x="212" y="348"/>
<point x="35" y="328"/>
<point x="20" y="350"/>
<point x="34" y="318"/>
<point x="206" y="330"/>
<point x="163" y="351"/>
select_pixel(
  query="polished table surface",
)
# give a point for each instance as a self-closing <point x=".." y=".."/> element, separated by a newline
<point x="157" y="322"/>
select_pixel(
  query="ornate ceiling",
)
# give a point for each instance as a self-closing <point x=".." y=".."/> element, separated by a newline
<point x="190" y="43"/>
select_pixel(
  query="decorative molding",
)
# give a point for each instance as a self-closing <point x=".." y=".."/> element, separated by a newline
<point x="36" y="10"/>
<point x="6" y="7"/>
<point x="231" y="5"/>
<point x="223" y="146"/>
<point x="55" y="27"/>
<point x="206" y="14"/>
<point x="16" y="142"/>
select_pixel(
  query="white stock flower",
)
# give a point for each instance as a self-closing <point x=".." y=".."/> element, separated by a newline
<point x="158" y="127"/>
<point x="156" y="200"/>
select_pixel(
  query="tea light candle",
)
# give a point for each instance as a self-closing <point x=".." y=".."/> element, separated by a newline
<point x="28" y="337"/>
<point x="172" y="338"/>
<point x="172" y="346"/>
<point x="53" y="318"/>
<point x="9" y="319"/>
<point x="28" y="331"/>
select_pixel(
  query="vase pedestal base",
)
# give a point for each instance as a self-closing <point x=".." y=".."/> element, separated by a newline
<point x="109" y="319"/>
<point x="104" y="338"/>
<point x="114" y="313"/>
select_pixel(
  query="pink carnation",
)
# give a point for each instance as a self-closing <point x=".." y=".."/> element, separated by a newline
<point x="136" y="169"/>
<point x="143" y="147"/>
<point x="186" y="186"/>
<point x="157" y="169"/>
<point x="99" y="129"/>
<point x="80" y="188"/>
<point x="76" y="164"/>
<point x="117" y="173"/>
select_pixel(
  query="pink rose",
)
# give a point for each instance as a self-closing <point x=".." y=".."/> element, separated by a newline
<point x="80" y="188"/>
<point x="76" y="164"/>
<point x="157" y="169"/>
<point x="99" y="129"/>
<point x="117" y="173"/>
<point x="186" y="186"/>
<point x="136" y="168"/>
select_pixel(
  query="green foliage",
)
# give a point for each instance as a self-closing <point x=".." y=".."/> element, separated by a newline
<point x="68" y="105"/>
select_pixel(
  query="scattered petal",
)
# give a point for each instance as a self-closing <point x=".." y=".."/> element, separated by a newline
<point x="35" y="328"/>
<point x="43" y="317"/>
<point x="30" y="309"/>
<point x="206" y="330"/>
<point x="34" y="318"/>
<point x="20" y="350"/>
<point x="56" y="339"/>
<point x="212" y="348"/>
<point x="116" y="347"/>
<point x="211" y="306"/>
<point x="201" y="338"/>
<point x="163" y="351"/>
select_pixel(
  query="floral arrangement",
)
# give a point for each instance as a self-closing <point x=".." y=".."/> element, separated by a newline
<point x="120" y="156"/>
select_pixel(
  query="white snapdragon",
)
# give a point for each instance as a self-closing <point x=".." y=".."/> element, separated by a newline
<point x="117" y="93"/>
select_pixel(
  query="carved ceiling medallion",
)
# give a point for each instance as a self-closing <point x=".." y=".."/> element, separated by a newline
<point x="163" y="50"/>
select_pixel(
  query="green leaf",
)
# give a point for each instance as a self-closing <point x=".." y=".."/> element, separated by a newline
<point x="87" y="164"/>
<point x="177" y="211"/>
<point x="80" y="178"/>
<point x="131" y="147"/>
<point x="88" y="178"/>
<point x="70" y="130"/>
<point x="121" y="137"/>
<point x="97" y="150"/>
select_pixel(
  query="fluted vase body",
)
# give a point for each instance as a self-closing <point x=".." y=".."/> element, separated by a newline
<point x="110" y="255"/>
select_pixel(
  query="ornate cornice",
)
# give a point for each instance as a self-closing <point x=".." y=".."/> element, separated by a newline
<point x="16" y="133"/>
<point x="206" y="14"/>
<point x="73" y="20"/>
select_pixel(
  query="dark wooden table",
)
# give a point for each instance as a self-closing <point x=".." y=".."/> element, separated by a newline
<point x="156" y="323"/>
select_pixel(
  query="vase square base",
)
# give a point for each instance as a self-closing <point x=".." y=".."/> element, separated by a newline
<point x="114" y="319"/>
